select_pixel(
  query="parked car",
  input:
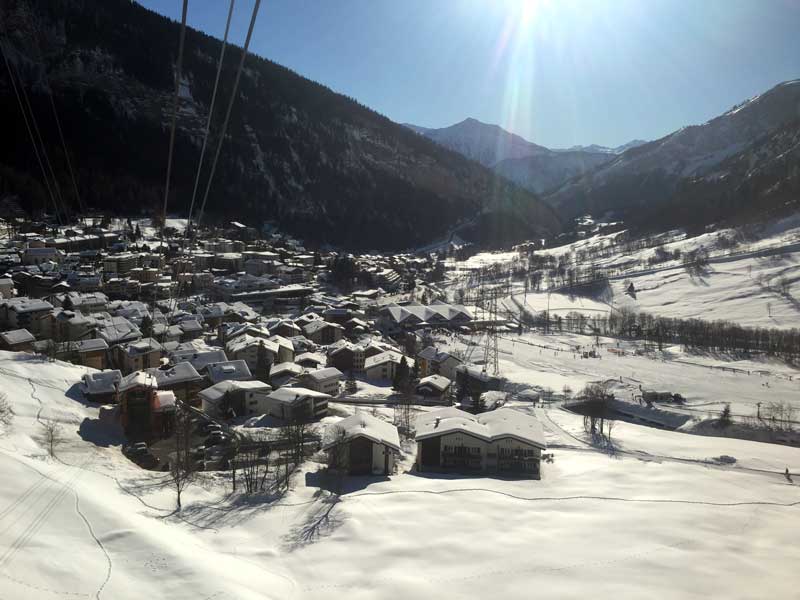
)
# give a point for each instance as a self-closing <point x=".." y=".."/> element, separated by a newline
<point x="209" y="427"/>
<point x="216" y="438"/>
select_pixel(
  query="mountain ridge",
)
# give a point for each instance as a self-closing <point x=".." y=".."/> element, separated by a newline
<point x="320" y="164"/>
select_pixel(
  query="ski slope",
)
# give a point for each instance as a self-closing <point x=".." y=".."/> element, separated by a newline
<point x="92" y="525"/>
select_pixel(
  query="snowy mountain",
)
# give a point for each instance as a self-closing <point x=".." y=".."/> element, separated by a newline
<point x="482" y="142"/>
<point x="652" y="176"/>
<point x="534" y="167"/>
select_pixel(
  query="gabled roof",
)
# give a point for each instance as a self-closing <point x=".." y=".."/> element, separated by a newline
<point x="230" y="370"/>
<point x="17" y="336"/>
<point x="438" y="382"/>
<point x="433" y="355"/>
<point x="181" y="372"/>
<point x="364" y="425"/>
<point x="384" y="357"/>
<point x="101" y="382"/>
<point x="285" y="367"/>
<point x="291" y="395"/>
<point x="323" y="374"/>
<point x="489" y="426"/>
<point x="318" y="325"/>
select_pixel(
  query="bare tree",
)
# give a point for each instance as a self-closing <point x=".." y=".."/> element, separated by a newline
<point x="596" y="400"/>
<point x="252" y="460"/>
<point x="404" y="415"/>
<point x="338" y="457"/>
<point x="181" y="463"/>
<point x="6" y="412"/>
<point x="52" y="435"/>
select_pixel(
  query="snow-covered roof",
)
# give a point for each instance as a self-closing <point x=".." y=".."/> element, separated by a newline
<point x="101" y="382"/>
<point x="232" y="369"/>
<point x="489" y="426"/>
<point x="199" y="359"/>
<point x="285" y="367"/>
<point x="138" y="378"/>
<point x="17" y="336"/>
<point x="91" y="345"/>
<point x="439" y="382"/>
<point x="384" y="357"/>
<point x="365" y="425"/>
<point x="324" y="374"/>
<point x="165" y="400"/>
<point x="179" y="373"/>
<point x="291" y="395"/>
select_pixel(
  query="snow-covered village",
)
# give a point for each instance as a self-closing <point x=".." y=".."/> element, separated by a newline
<point x="335" y="356"/>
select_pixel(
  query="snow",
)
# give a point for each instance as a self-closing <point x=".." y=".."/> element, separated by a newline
<point x="617" y="526"/>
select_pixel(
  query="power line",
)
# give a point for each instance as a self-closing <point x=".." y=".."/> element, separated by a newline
<point x="28" y="127"/>
<point x="230" y="107"/>
<point x="210" y="114"/>
<point x="81" y="205"/>
<point x="174" y="114"/>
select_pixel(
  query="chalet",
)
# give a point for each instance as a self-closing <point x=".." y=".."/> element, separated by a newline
<point x="17" y="340"/>
<point x="181" y="378"/>
<point x="433" y="362"/>
<point x="231" y="370"/>
<point x="283" y="373"/>
<point x="383" y="366"/>
<point x="101" y="386"/>
<point x="434" y="387"/>
<point x="142" y="354"/>
<point x="362" y="445"/>
<point x="136" y="393"/>
<point x="246" y="347"/>
<point x="285" y="329"/>
<point x="23" y="313"/>
<point x="295" y="403"/>
<point x="322" y="332"/>
<point x="286" y="348"/>
<point x="503" y="441"/>
<point x="191" y="329"/>
<point x="92" y="353"/>
<point x="117" y="330"/>
<point x="309" y="360"/>
<point x="322" y="380"/>
<point x="199" y="359"/>
<point x="7" y="287"/>
<point x="229" y="399"/>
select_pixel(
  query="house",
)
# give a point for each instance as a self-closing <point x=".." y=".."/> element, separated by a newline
<point x="92" y="353"/>
<point x="246" y="347"/>
<point x="191" y="329"/>
<point x="503" y="441"/>
<point x="383" y="366"/>
<point x="286" y="348"/>
<point x="17" y="340"/>
<point x="434" y="386"/>
<point x="295" y="403"/>
<point x="229" y="399"/>
<point x="136" y="393"/>
<point x="285" y="329"/>
<point x="283" y="373"/>
<point x="101" y="386"/>
<point x="231" y="370"/>
<point x="309" y="360"/>
<point x="199" y="359"/>
<point x="23" y="313"/>
<point x="142" y="354"/>
<point x="322" y="380"/>
<point x="322" y="332"/>
<point x="433" y="362"/>
<point x="181" y="378"/>
<point x="362" y="445"/>
<point x="117" y="330"/>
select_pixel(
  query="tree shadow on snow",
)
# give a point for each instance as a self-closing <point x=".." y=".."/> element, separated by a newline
<point x="320" y="521"/>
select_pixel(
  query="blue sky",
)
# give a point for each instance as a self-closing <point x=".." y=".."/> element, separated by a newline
<point x="557" y="72"/>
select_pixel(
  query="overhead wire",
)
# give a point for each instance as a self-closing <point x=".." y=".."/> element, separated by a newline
<point x="22" y="108"/>
<point x="230" y="108"/>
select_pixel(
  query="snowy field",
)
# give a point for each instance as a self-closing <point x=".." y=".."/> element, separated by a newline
<point x="706" y="381"/>
<point x="755" y="284"/>
<point x="655" y="520"/>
